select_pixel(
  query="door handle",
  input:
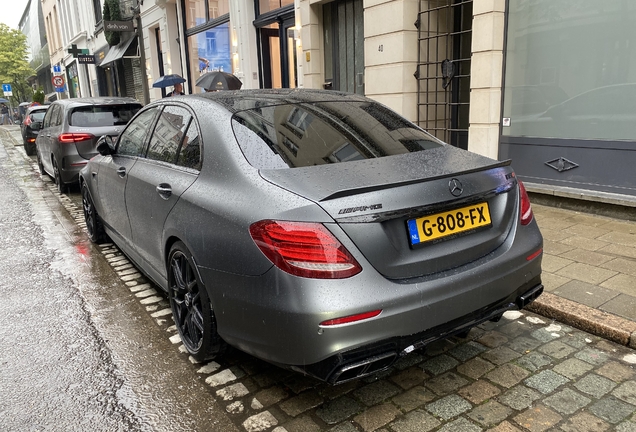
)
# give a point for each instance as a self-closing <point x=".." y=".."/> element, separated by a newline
<point x="121" y="172"/>
<point x="164" y="190"/>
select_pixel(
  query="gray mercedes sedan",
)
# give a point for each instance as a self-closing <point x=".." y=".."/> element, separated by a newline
<point x="317" y="230"/>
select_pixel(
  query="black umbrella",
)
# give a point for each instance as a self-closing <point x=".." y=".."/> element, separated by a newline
<point x="168" y="80"/>
<point x="219" y="80"/>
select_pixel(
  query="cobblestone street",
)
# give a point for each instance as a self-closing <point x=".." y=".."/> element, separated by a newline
<point x="523" y="373"/>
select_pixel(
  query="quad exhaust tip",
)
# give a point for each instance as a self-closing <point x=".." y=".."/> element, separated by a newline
<point x="530" y="296"/>
<point x="363" y="368"/>
<point x="380" y="362"/>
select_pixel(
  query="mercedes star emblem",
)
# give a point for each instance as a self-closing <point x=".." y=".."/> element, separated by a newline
<point x="455" y="187"/>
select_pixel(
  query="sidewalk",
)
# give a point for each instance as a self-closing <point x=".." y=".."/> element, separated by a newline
<point x="589" y="269"/>
<point x="589" y="272"/>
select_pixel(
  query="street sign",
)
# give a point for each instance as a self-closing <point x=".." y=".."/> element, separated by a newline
<point x="86" y="58"/>
<point x="6" y="89"/>
<point x="118" y="26"/>
<point x="57" y="68"/>
<point x="77" y="51"/>
<point x="58" y="81"/>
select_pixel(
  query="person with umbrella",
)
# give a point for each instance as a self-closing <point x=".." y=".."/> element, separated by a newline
<point x="219" y="80"/>
<point x="177" y="90"/>
<point x="174" y="80"/>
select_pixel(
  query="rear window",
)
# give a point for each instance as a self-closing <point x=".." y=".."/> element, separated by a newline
<point x="38" y="116"/>
<point x="300" y="135"/>
<point x="106" y="115"/>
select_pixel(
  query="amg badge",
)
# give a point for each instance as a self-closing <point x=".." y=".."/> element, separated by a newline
<point x="361" y="208"/>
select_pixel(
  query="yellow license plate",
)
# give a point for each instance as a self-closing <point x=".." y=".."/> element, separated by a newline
<point x="440" y="225"/>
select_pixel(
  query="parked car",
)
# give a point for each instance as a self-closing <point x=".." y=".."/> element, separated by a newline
<point x="32" y="115"/>
<point x="69" y="133"/>
<point x="316" y="230"/>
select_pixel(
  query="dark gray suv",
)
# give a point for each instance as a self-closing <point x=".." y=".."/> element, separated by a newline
<point x="70" y="130"/>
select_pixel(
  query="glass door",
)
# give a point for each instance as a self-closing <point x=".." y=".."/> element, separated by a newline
<point x="277" y="54"/>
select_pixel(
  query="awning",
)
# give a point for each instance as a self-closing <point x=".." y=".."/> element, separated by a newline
<point x="126" y="48"/>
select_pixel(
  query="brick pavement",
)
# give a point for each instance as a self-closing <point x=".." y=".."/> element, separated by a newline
<point x="525" y="373"/>
<point x="589" y="269"/>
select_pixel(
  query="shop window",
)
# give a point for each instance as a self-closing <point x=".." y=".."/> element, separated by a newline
<point x="265" y="6"/>
<point x="570" y="71"/>
<point x="199" y="12"/>
<point x="209" y="51"/>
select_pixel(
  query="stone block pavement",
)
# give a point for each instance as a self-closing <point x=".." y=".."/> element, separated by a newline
<point x="589" y="272"/>
<point x="569" y="369"/>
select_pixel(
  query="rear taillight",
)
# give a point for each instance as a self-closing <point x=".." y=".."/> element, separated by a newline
<point x="526" y="208"/>
<point x="304" y="249"/>
<point x="74" y="137"/>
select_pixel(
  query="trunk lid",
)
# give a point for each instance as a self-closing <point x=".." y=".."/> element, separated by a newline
<point x="373" y="201"/>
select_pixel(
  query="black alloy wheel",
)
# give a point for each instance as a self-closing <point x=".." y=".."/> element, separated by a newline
<point x="61" y="187"/>
<point x="191" y="308"/>
<point x="93" y="223"/>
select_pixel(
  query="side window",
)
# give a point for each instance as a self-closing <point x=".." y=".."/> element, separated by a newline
<point x="132" y="139"/>
<point x="190" y="153"/>
<point x="58" y="119"/>
<point x="49" y="115"/>
<point x="168" y="134"/>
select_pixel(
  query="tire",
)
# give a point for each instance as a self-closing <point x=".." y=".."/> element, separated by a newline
<point x="94" y="224"/>
<point x="61" y="187"/>
<point x="191" y="308"/>
<point x="40" y="166"/>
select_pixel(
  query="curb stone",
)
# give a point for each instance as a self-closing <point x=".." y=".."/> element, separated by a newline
<point x="599" y="323"/>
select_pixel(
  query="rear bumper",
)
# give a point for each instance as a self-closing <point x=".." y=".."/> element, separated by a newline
<point x="277" y="317"/>
<point x="71" y="167"/>
<point x="379" y="356"/>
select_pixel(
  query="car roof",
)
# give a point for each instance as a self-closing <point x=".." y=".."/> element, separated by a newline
<point x="110" y="100"/>
<point x="238" y="100"/>
<point x="37" y="108"/>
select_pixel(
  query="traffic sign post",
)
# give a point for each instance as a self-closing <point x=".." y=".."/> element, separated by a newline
<point x="58" y="81"/>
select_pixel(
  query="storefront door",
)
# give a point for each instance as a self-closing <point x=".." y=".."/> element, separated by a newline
<point x="277" y="43"/>
<point x="278" y="55"/>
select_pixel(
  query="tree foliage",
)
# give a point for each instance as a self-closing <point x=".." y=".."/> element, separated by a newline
<point x="112" y="12"/>
<point x="38" y="96"/>
<point x="14" y="67"/>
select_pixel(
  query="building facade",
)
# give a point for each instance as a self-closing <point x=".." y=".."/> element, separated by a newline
<point x="32" y="25"/>
<point x="547" y="84"/>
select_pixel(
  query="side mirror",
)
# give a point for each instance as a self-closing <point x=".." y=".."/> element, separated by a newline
<point x="105" y="145"/>
<point x="36" y="125"/>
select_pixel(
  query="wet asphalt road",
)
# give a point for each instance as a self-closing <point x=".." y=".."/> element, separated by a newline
<point x="77" y="350"/>
<point x="85" y="343"/>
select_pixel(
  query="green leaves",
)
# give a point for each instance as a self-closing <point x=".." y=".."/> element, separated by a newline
<point x="14" y="68"/>
<point x="112" y="12"/>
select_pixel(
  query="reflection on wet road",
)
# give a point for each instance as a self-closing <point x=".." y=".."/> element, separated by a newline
<point x="79" y="351"/>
